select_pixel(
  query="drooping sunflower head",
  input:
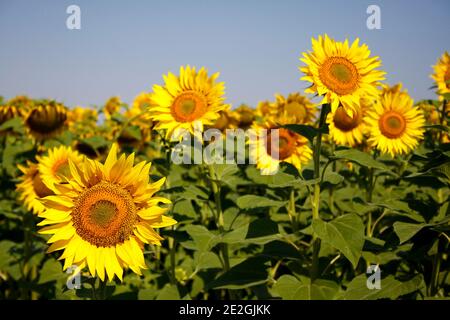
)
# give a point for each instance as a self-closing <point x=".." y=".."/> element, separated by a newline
<point x="15" y="107"/>
<point x="112" y="105"/>
<point x="395" y="126"/>
<point x="270" y="145"/>
<point x="341" y="73"/>
<point x="226" y="120"/>
<point x="441" y="74"/>
<point x="46" y="119"/>
<point x="31" y="187"/>
<point x="54" y="167"/>
<point x="345" y="129"/>
<point x="186" y="101"/>
<point x="296" y="107"/>
<point x="244" y="116"/>
<point x="104" y="215"/>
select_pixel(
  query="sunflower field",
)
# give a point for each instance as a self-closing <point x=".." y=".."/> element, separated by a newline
<point x="342" y="191"/>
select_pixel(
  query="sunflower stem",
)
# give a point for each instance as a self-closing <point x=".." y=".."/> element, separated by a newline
<point x="441" y="120"/>
<point x="314" y="272"/>
<point x="291" y="211"/>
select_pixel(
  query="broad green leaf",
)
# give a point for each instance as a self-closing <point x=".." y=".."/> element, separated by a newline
<point x="169" y="292"/>
<point x="391" y="288"/>
<point x="359" y="157"/>
<point x="252" y="201"/>
<point x="345" y="233"/>
<point x="406" y="231"/>
<point x="52" y="271"/>
<point x="290" y="288"/>
<point x="204" y="239"/>
<point x="250" y="272"/>
<point x="207" y="260"/>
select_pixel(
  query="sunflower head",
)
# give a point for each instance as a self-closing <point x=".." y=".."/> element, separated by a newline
<point x="15" y="107"/>
<point x="54" y="167"/>
<point x="441" y="74"/>
<point x="341" y="73"/>
<point x="186" y="101"/>
<point x="345" y="129"/>
<point x="296" y="107"/>
<point x="244" y="116"/>
<point x="32" y="187"/>
<point x="395" y="126"/>
<point x="46" y="119"/>
<point x="263" y="109"/>
<point x="272" y="145"/>
<point x="226" y="120"/>
<point x="112" y="106"/>
<point x="104" y="215"/>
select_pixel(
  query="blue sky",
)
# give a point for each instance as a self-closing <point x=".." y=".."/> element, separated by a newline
<point x="124" y="47"/>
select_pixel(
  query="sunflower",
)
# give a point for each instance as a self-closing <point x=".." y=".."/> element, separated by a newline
<point x="342" y="74"/>
<point x="347" y="130"/>
<point x="46" y="119"/>
<point x="15" y="107"/>
<point x="263" y="109"/>
<point x="296" y="107"/>
<point x="191" y="100"/>
<point x="31" y="187"/>
<point x="82" y="121"/>
<point x="244" y="116"/>
<point x="430" y="112"/>
<point x="226" y="120"/>
<point x="54" y="168"/>
<point x="394" y="125"/>
<point x="267" y="154"/>
<point x="104" y="215"/>
<point x="442" y="74"/>
<point x="112" y="106"/>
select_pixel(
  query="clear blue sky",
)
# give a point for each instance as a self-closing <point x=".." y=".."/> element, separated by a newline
<point x="124" y="47"/>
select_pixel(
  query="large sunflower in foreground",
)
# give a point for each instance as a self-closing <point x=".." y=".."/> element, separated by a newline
<point x="341" y="73"/>
<point x="31" y="188"/>
<point x="104" y="215"/>
<point x="347" y="130"/>
<point x="46" y="119"/>
<point x="394" y="125"/>
<point x="188" y="101"/>
<point x="442" y="74"/>
<point x="54" y="167"/>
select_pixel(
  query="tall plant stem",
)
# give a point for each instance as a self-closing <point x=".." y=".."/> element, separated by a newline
<point x="291" y="211"/>
<point x="219" y="216"/>
<point x="314" y="272"/>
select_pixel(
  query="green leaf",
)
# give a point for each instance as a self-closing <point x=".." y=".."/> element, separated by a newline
<point x="345" y="233"/>
<point x="51" y="271"/>
<point x="147" y="294"/>
<point x="308" y="132"/>
<point x="169" y="292"/>
<point x="206" y="260"/>
<point x="290" y="288"/>
<point x="390" y="288"/>
<point x="252" y="201"/>
<point x="406" y="231"/>
<point x="333" y="178"/>
<point x="250" y="272"/>
<point x="360" y="158"/>
<point x="204" y="239"/>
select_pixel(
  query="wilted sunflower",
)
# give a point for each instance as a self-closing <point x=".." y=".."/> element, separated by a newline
<point x="442" y="74"/>
<point x="347" y="130"/>
<point x="46" y="119"/>
<point x="32" y="188"/>
<point x="394" y="125"/>
<point x="267" y="154"/>
<point x="104" y="215"/>
<point x="185" y="102"/>
<point x="341" y="73"/>
<point x="54" y="167"/>
<point x="296" y="107"/>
